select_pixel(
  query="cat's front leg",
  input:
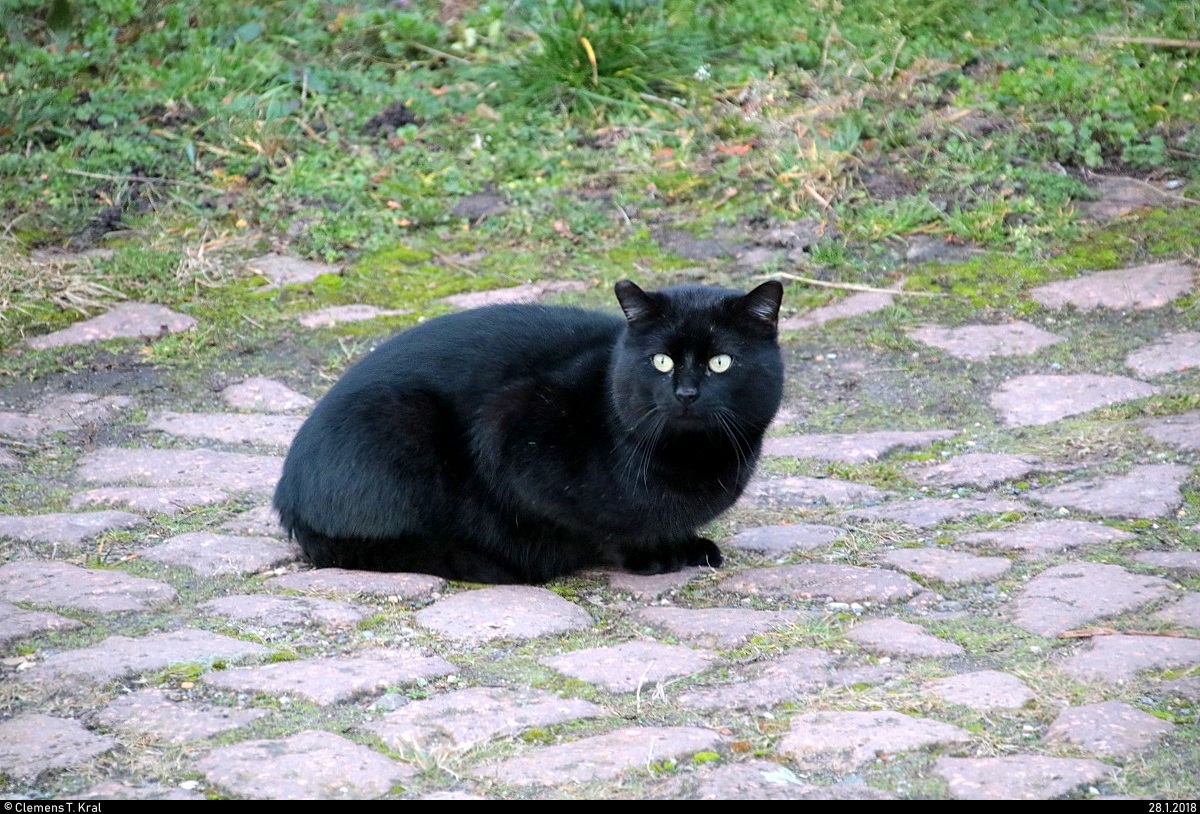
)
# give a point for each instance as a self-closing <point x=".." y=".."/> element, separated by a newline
<point x="664" y="558"/>
<point x="703" y="551"/>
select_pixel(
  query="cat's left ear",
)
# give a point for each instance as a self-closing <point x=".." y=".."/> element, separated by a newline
<point x="637" y="304"/>
<point x="762" y="304"/>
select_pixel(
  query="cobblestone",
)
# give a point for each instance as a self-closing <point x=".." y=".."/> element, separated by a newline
<point x="506" y="612"/>
<point x="306" y="766"/>
<point x="842" y="583"/>
<point x="153" y="713"/>
<point x="215" y="554"/>
<point x="121" y="656"/>
<point x="1021" y="777"/>
<point x="895" y="637"/>
<point x="1109" y="729"/>
<point x="265" y="395"/>
<point x="630" y="666"/>
<point x="326" y="681"/>
<point x="720" y="628"/>
<point x="1137" y="288"/>
<point x="468" y="717"/>
<point x="1040" y="399"/>
<point x="853" y="449"/>
<point x="950" y="567"/>
<point x="984" y="690"/>
<point x="33" y="743"/>
<point x="16" y="624"/>
<point x="978" y="343"/>
<point x="60" y="585"/>
<point x="785" y="539"/>
<point x="233" y="471"/>
<point x="66" y="529"/>
<point x="844" y="740"/>
<point x="1147" y="491"/>
<point x="131" y="320"/>
<point x="1067" y="596"/>
<point x="602" y="756"/>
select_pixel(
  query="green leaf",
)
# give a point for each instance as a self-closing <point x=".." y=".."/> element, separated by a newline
<point x="61" y="16"/>
<point x="248" y="32"/>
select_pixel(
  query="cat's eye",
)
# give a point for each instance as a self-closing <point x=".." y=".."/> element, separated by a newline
<point x="663" y="363"/>
<point x="720" y="363"/>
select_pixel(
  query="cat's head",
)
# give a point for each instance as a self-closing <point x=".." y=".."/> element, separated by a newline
<point x="698" y="358"/>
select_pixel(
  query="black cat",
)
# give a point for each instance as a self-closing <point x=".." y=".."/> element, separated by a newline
<point x="516" y="443"/>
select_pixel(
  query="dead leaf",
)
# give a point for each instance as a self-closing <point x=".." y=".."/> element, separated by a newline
<point x="734" y="149"/>
<point x="728" y="194"/>
<point x="563" y="229"/>
<point x="487" y="112"/>
<point x="1088" y="632"/>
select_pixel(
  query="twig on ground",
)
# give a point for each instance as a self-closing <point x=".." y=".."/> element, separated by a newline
<point x="1159" y="41"/>
<point x="435" y="52"/>
<point x="9" y="226"/>
<point x="678" y="108"/>
<point x="854" y="286"/>
<point x="143" y="179"/>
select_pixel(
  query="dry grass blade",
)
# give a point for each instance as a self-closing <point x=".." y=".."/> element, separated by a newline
<point x="1157" y="41"/>
<point x="810" y="152"/>
<point x="70" y="281"/>
<point x="853" y="286"/>
<point x="1088" y="632"/>
<point x="84" y="296"/>
<point x="202" y="264"/>
<point x="143" y="179"/>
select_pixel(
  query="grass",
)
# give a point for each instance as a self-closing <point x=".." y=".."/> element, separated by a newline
<point x="240" y="121"/>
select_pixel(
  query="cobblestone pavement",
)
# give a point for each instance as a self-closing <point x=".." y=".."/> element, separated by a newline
<point x="987" y="623"/>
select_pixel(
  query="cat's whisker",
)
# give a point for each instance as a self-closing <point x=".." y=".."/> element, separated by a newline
<point x="632" y="465"/>
<point x="632" y="431"/>
<point x="648" y="448"/>
<point x="735" y="424"/>
<point x="729" y="423"/>
<point x="650" y="412"/>
<point x="723" y="422"/>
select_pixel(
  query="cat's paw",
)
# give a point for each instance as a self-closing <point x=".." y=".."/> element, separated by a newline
<point x="702" y="551"/>
<point x="652" y="561"/>
<point x="665" y="558"/>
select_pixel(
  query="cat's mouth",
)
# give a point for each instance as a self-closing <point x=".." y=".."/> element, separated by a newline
<point x="689" y="419"/>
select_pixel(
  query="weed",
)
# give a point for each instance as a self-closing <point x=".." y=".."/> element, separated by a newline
<point x="176" y="675"/>
<point x="597" y="57"/>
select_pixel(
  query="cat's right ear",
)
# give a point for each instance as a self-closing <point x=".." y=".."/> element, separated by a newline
<point x="763" y="302"/>
<point x="637" y="304"/>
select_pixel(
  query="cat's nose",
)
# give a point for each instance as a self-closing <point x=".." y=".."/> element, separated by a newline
<point x="686" y="395"/>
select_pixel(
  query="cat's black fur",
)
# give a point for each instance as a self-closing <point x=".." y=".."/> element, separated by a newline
<point x="516" y="443"/>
